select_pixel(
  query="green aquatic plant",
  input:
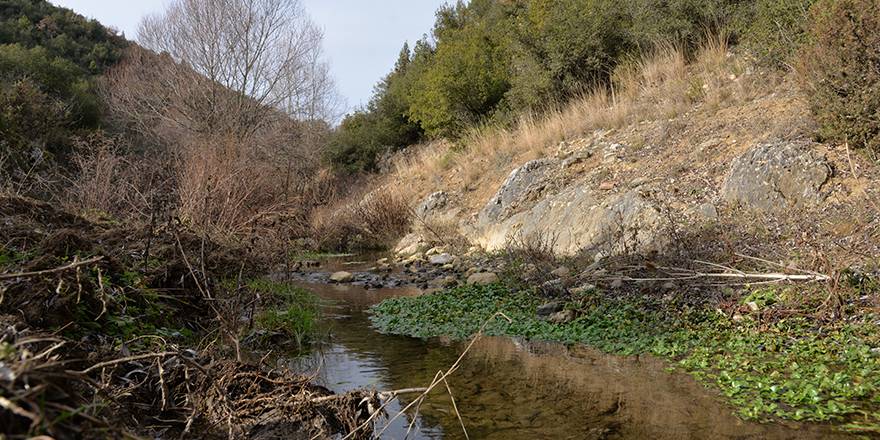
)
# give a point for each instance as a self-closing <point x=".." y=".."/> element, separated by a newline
<point x="793" y="368"/>
<point x="293" y="311"/>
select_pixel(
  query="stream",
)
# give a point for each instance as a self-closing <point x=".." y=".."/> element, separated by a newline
<point x="509" y="389"/>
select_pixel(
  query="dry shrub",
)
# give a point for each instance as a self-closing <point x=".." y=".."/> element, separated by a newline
<point x="841" y="71"/>
<point x="108" y="181"/>
<point x="362" y="221"/>
<point x="442" y="231"/>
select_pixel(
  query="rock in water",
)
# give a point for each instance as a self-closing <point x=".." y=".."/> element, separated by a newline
<point x="776" y="176"/>
<point x="342" y="277"/>
<point x="482" y="278"/>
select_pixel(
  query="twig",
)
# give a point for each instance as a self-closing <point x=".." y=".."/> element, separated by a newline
<point x="124" y="360"/>
<point x="73" y="265"/>
<point x="455" y="407"/>
<point x="448" y="372"/>
<point x="852" y="166"/>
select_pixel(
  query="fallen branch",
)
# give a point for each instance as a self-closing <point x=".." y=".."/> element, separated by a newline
<point x="442" y="377"/>
<point x="73" y="265"/>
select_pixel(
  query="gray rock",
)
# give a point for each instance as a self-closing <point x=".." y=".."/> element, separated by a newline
<point x="708" y="212"/>
<point x="576" y="158"/>
<point x="562" y="317"/>
<point x="549" y="309"/>
<point x="777" y="175"/>
<point x="441" y="259"/>
<point x="561" y="272"/>
<point x="482" y="278"/>
<point x="432" y="203"/>
<point x="342" y="277"/>
<point x="578" y="220"/>
<point x="410" y="244"/>
<point x="613" y="152"/>
<point x="522" y="182"/>
<point x="617" y="284"/>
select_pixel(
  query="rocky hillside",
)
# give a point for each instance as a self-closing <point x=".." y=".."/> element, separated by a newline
<point x="745" y="178"/>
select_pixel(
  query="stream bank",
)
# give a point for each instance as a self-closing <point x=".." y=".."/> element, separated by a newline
<point x="509" y="387"/>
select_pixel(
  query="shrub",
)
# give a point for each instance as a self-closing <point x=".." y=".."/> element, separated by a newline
<point x="775" y="29"/>
<point x="371" y="221"/>
<point x="841" y="71"/>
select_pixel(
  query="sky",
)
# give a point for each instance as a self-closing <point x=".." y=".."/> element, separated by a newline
<point x="362" y="38"/>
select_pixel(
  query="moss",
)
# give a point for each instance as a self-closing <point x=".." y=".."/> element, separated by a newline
<point x="793" y="368"/>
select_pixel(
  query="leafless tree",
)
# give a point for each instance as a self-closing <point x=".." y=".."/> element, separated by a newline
<point x="224" y="66"/>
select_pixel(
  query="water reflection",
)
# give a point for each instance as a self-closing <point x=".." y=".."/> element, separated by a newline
<point x="511" y="390"/>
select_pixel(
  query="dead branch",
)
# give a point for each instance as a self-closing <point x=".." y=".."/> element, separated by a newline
<point x="73" y="265"/>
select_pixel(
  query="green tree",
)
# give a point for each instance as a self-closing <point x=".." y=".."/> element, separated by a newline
<point x="468" y="75"/>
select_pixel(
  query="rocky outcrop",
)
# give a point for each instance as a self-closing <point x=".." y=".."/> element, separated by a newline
<point x="432" y="203"/>
<point x="518" y="187"/>
<point x="576" y="220"/>
<point x="776" y="176"/>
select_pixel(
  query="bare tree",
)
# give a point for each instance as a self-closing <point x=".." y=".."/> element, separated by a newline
<point x="226" y="66"/>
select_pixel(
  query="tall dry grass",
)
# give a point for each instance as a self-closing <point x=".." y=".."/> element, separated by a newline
<point x="371" y="220"/>
<point x="662" y="84"/>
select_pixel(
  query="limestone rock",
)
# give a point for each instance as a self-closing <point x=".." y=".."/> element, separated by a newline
<point x="522" y="182"/>
<point x="482" y="278"/>
<point x="776" y="176"/>
<point x="432" y="203"/>
<point x="441" y="259"/>
<point x="410" y="244"/>
<point x="342" y="277"/>
<point x="622" y="223"/>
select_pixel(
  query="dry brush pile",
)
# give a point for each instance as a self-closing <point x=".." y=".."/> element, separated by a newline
<point x="112" y="331"/>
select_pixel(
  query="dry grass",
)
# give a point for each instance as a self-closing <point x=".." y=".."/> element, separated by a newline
<point x="372" y="220"/>
<point x="661" y="85"/>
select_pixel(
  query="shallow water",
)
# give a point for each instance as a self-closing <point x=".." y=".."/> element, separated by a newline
<point x="507" y="389"/>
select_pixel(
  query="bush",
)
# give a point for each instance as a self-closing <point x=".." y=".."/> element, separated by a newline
<point x="776" y="29"/>
<point x="841" y="71"/>
<point x="362" y="222"/>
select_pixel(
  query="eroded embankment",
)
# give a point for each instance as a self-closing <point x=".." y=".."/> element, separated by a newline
<point x="113" y="331"/>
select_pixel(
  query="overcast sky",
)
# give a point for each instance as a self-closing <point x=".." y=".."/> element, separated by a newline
<point x="361" y="37"/>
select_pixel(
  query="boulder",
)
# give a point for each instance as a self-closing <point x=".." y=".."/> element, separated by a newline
<point x="410" y="244"/>
<point x="562" y="317"/>
<point x="578" y="220"/>
<point x="550" y="308"/>
<point x="777" y="175"/>
<point x="561" y="272"/>
<point x="520" y="184"/>
<point x="342" y="277"/>
<point x="441" y="259"/>
<point x="482" y="278"/>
